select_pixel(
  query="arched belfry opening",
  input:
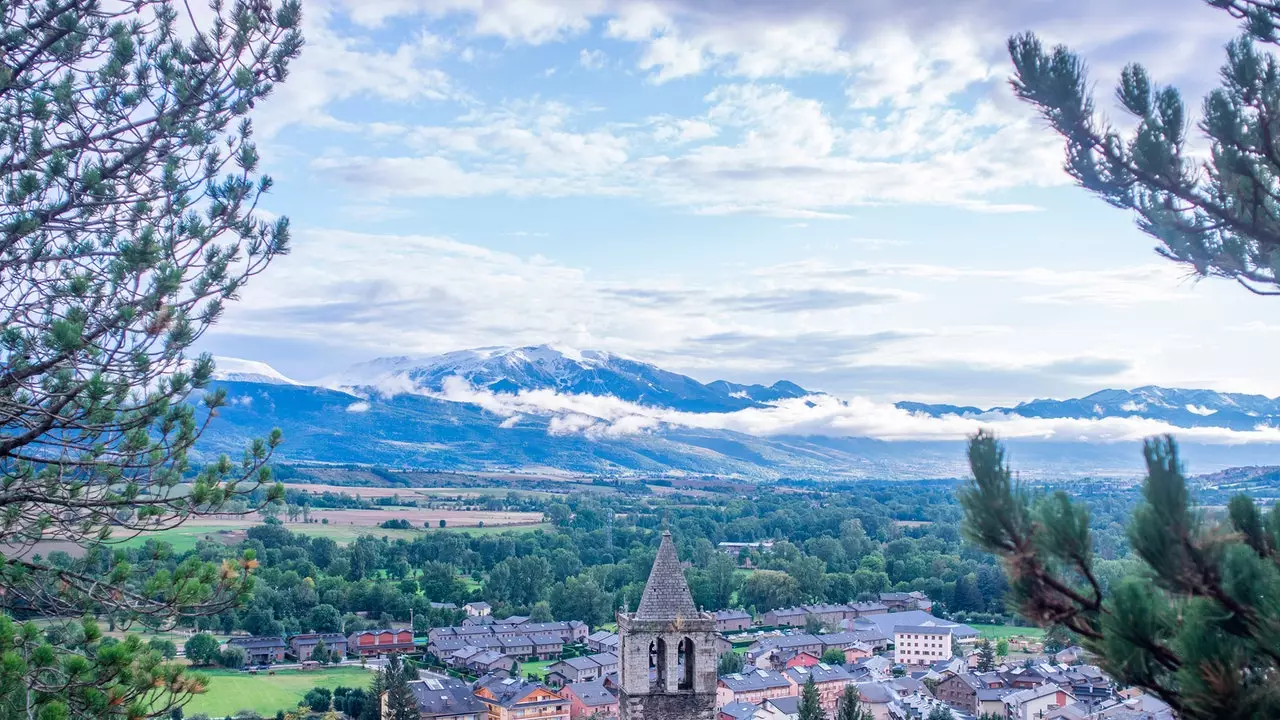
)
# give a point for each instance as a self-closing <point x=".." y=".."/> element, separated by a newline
<point x="657" y="665"/>
<point x="686" y="662"/>
<point x="667" y="649"/>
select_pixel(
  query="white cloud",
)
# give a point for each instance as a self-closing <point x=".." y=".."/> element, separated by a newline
<point x="592" y="59"/>
<point x="605" y="416"/>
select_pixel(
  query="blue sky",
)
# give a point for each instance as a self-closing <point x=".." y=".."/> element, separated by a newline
<point x="845" y="195"/>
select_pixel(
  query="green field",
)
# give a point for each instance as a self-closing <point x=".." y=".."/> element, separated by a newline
<point x="230" y="692"/>
<point x="185" y="538"/>
<point x="182" y="538"/>
<point x="995" y="632"/>
<point x="536" y="668"/>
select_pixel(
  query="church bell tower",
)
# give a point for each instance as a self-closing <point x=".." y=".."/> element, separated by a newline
<point x="667" y="649"/>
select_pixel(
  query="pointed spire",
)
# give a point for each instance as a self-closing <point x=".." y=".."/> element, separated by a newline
<point x="666" y="595"/>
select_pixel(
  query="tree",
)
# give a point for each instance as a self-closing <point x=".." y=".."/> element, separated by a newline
<point x="810" y="702"/>
<point x="320" y="653"/>
<point x="1196" y="628"/>
<point x="325" y="618"/>
<point x="1217" y="216"/>
<point x="833" y="656"/>
<point x="166" y="648"/>
<point x="202" y="649"/>
<point x="939" y="713"/>
<point x="986" y="656"/>
<point x="849" y="706"/>
<point x="580" y="598"/>
<point x="130" y="182"/>
<point x="1056" y="639"/>
<point x="232" y="657"/>
<point x="319" y="699"/>
<point x="401" y="704"/>
<point x="1002" y="648"/>
<point x="372" y="707"/>
<point x="730" y="663"/>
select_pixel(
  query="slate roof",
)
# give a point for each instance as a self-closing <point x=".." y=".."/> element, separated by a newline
<point x="508" y="691"/>
<point x="739" y="710"/>
<point x="789" y="704"/>
<point x="757" y="680"/>
<point x="592" y="693"/>
<point x="886" y="622"/>
<point x="923" y="629"/>
<point x="666" y="595"/>
<point x="821" y="673"/>
<point x="445" y="696"/>
<point x="257" y="642"/>
<point x="732" y="615"/>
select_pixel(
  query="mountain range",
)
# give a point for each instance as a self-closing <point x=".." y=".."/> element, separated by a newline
<point x="551" y="408"/>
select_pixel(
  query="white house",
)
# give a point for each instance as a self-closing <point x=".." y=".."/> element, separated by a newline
<point x="921" y="644"/>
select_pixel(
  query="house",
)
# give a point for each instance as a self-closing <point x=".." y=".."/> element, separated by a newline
<point x="477" y="620"/>
<point x="886" y="622"/>
<point x="262" y="650"/>
<point x="380" y="642"/>
<point x="860" y="609"/>
<point x="1069" y="656"/>
<point x="517" y="646"/>
<point x="302" y="645"/>
<point x="825" y="613"/>
<point x="445" y="698"/>
<point x="751" y="687"/>
<point x="477" y="609"/>
<point x="602" y="641"/>
<point x="858" y="650"/>
<point x="547" y="645"/>
<point x="960" y="691"/>
<point x="990" y="701"/>
<point x="921" y="644"/>
<point x="582" y="669"/>
<point x="900" y="601"/>
<point x="511" y="698"/>
<point x="592" y="698"/>
<point x="781" y="708"/>
<point x="785" y="617"/>
<point x="830" y="681"/>
<point x="1034" y="703"/>
<point x="876" y="699"/>
<point x="783" y="643"/>
<point x="515" y="620"/>
<point x="737" y="711"/>
<point x="492" y="661"/>
<point x="800" y="660"/>
<point x="732" y="620"/>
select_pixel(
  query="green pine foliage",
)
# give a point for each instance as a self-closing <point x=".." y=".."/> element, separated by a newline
<point x="986" y="656"/>
<point x="1199" y="626"/>
<point x="810" y="702"/>
<point x="1219" y="216"/>
<point x="400" y="703"/>
<point x="129" y="182"/>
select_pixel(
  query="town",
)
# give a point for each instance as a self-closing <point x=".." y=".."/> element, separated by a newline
<point x="902" y="662"/>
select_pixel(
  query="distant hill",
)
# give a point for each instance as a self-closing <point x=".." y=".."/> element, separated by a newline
<point x="1183" y="408"/>
<point x="568" y="406"/>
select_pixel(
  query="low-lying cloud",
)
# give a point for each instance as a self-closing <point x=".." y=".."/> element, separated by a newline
<point x="820" y="415"/>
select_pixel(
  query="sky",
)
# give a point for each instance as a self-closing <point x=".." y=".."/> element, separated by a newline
<point x="842" y="194"/>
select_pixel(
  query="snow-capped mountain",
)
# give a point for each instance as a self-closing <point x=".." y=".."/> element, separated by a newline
<point x="564" y="370"/>
<point x="249" y="371"/>
<point x="1183" y="408"/>
<point x="610" y="414"/>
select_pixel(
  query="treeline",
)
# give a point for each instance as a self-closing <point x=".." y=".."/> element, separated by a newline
<point x="830" y="544"/>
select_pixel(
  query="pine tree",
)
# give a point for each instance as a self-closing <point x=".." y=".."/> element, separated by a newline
<point x="1219" y="216"/>
<point x="1200" y="629"/>
<point x="810" y="702"/>
<point x="401" y="704"/>
<point x="939" y="713"/>
<point x="849" y="705"/>
<point x="986" y="656"/>
<point x="129" y="183"/>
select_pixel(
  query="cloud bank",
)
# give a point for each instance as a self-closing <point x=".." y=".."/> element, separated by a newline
<point x="819" y="415"/>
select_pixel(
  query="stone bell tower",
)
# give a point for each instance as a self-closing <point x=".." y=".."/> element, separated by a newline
<point x="667" y="649"/>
